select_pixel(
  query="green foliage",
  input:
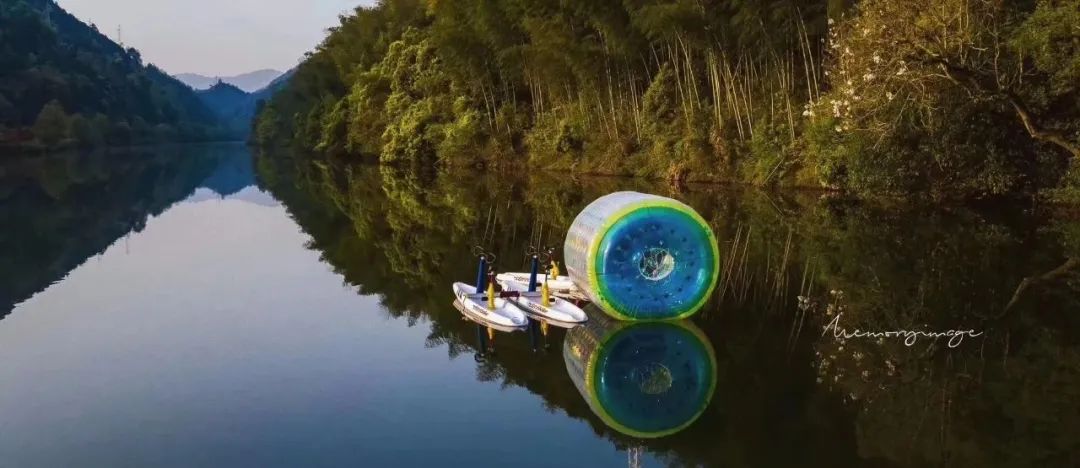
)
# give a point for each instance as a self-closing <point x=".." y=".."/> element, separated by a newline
<point x="574" y="84"/>
<point x="1051" y="37"/>
<point x="100" y="126"/>
<point x="332" y="134"/>
<point x="772" y="149"/>
<point x="51" y="126"/>
<point x="85" y="133"/>
<point x="58" y="58"/>
<point x="707" y="89"/>
<point x="555" y="139"/>
<point x="929" y="102"/>
<point x="120" y="134"/>
<point x="419" y="102"/>
<point x="463" y="135"/>
<point x="663" y="117"/>
<point x="267" y="127"/>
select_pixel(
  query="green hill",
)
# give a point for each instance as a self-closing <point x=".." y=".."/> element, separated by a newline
<point x="63" y="82"/>
<point x="236" y="108"/>
<point x="233" y="106"/>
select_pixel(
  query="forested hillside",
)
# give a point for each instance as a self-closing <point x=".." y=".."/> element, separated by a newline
<point x="236" y="108"/>
<point x="946" y="98"/>
<point x="64" y="83"/>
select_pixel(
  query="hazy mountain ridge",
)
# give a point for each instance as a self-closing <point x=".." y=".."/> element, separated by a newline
<point x="236" y="107"/>
<point x="249" y="82"/>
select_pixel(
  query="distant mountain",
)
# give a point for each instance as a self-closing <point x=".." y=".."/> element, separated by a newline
<point x="275" y="86"/>
<point x="224" y="98"/>
<point x="249" y="82"/>
<point x="97" y="92"/>
<point x="235" y="107"/>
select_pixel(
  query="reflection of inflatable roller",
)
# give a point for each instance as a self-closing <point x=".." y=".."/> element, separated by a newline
<point x="642" y="256"/>
<point x="646" y="380"/>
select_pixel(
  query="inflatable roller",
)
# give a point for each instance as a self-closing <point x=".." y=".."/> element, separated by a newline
<point x="643" y="379"/>
<point x="642" y="257"/>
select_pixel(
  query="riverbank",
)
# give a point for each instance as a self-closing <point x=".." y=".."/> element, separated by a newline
<point x="34" y="149"/>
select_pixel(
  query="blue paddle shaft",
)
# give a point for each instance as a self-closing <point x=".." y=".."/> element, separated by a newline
<point x="481" y="276"/>
<point x="532" y="276"/>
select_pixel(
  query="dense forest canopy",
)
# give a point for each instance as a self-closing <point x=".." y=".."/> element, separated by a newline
<point x="61" y="80"/>
<point x="950" y="98"/>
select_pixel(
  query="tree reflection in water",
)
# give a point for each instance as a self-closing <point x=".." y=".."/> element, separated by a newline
<point x="785" y="393"/>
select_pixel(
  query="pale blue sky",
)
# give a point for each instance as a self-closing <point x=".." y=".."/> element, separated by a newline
<point x="215" y="37"/>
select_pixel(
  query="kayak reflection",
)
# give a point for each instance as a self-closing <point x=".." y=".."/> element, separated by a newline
<point x="646" y="380"/>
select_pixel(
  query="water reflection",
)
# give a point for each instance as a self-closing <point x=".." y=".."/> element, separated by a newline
<point x="60" y="210"/>
<point x="406" y="236"/>
<point x="644" y="380"/>
<point x="785" y="395"/>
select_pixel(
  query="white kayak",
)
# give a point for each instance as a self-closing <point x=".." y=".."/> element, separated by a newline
<point x="561" y="285"/>
<point x="558" y="310"/>
<point x="505" y="314"/>
<point x="472" y="317"/>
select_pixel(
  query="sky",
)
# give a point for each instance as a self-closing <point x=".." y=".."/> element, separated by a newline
<point x="215" y="37"/>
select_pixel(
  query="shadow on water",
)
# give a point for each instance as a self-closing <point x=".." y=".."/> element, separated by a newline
<point x="63" y="209"/>
<point x="785" y="393"/>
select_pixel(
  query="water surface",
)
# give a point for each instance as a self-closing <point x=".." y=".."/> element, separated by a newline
<point x="199" y="306"/>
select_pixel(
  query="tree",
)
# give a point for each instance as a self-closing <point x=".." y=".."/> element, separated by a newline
<point x="101" y="127"/>
<point x="56" y="56"/>
<point x="120" y="133"/>
<point x="8" y="112"/>
<point x="914" y="51"/>
<point x="85" y="132"/>
<point x="134" y="55"/>
<point x="940" y="96"/>
<point x="51" y="126"/>
<point x="164" y="132"/>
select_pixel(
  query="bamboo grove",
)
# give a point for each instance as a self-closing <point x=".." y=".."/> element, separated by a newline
<point x="947" y="98"/>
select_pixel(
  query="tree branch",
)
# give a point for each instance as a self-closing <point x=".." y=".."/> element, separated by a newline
<point x="1051" y="275"/>
<point x="1038" y="132"/>
<point x="975" y="83"/>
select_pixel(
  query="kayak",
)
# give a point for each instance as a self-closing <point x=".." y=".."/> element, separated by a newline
<point x="505" y="314"/>
<point x="560" y="286"/>
<point x="475" y="318"/>
<point x="557" y="310"/>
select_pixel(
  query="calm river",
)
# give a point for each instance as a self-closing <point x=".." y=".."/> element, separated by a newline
<point x="201" y="306"/>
